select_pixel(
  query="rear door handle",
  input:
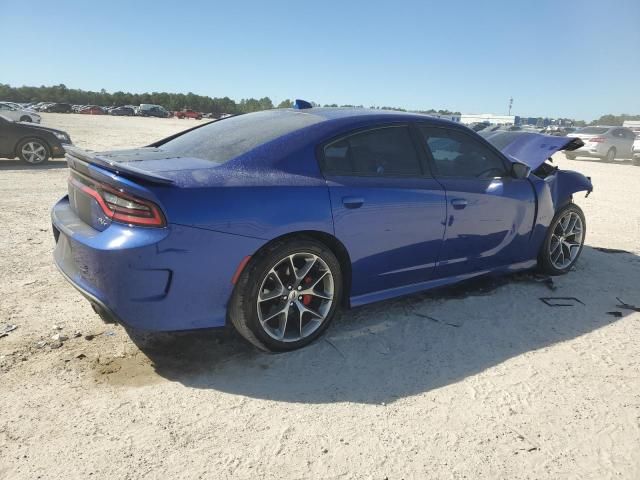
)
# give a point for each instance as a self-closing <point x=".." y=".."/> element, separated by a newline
<point x="459" y="203"/>
<point x="352" y="202"/>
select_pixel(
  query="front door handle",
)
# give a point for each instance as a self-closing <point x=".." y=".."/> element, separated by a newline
<point x="459" y="203"/>
<point x="352" y="202"/>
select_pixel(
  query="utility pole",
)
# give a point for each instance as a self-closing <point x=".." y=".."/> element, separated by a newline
<point x="510" y="104"/>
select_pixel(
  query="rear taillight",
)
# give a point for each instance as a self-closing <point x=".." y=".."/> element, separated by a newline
<point x="596" y="140"/>
<point x="119" y="205"/>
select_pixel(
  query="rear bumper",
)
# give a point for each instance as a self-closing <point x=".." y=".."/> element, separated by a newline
<point x="157" y="279"/>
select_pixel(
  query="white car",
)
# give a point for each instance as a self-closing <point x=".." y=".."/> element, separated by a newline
<point x="605" y="143"/>
<point x="18" y="114"/>
<point x="636" y="149"/>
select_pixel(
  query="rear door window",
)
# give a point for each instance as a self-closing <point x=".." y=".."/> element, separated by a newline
<point x="384" y="151"/>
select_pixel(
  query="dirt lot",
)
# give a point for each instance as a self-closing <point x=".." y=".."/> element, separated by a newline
<point x="480" y="381"/>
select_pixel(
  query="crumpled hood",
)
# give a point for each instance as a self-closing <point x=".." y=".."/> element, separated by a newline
<point x="532" y="149"/>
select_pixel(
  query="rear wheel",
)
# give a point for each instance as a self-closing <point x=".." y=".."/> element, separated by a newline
<point x="564" y="241"/>
<point x="570" y="156"/>
<point x="611" y="155"/>
<point x="287" y="295"/>
<point x="25" y="118"/>
<point x="33" y="151"/>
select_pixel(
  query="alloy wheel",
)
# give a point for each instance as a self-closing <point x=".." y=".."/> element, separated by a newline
<point x="295" y="297"/>
<point x="34" y="152"/>
<point x="566" y="240"/>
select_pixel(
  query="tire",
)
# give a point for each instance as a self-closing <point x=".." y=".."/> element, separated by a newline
<point x="636" y="161"/>
<point x="268" y="274"/>
<point x="25" y="118"/>
<point x="39" y="148"/>
<point x="549" y="259"/>
<point x="610" y="156"/>
<point x="570" y="156"/>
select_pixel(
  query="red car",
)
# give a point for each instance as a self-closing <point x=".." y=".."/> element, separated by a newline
<point x="186" y="113"/>
<point x="92" y="110"/>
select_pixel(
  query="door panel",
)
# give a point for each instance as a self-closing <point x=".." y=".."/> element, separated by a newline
<point x="491" y="229"/>
<point x="490" y="215"/>
<point x="392" y="228"/>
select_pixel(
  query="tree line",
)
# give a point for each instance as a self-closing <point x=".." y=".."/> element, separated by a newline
<point x="171" y="101"/>
<point x="202" y="103"/>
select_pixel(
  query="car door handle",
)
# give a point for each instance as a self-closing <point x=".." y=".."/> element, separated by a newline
<point x="352" y="202"/>
<point x="459" y="203"/>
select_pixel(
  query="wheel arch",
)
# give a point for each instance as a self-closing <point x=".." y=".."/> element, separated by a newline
<point x="31" y="137"/>
<point x="333" y="244"/>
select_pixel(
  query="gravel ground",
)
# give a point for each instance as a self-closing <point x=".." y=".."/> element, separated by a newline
<point x="478" y="381"/>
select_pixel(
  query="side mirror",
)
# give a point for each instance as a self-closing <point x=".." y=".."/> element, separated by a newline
<point x="520" y="170"/>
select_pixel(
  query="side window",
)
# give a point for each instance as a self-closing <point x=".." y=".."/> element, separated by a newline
<point x="618" y="132"/>
<point x="387" y="151"/>
<point x="456" y="154"/>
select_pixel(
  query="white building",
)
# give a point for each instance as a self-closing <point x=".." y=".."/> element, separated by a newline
<point x="468" y="118"/>
<point x="632" y="124"/>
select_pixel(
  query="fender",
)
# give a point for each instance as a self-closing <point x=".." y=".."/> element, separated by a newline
<point x="564" y="183"/>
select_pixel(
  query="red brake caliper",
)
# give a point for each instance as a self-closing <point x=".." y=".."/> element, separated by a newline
<point x="306" y="299"/>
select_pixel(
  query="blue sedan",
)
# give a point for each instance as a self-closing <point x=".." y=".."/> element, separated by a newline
<point x="275" y="220"/>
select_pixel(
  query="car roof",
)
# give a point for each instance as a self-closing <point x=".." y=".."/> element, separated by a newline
<point x="360" y="114"/>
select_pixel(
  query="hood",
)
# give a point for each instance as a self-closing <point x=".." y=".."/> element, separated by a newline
<point x="532" y="149"/>
<point x="40" y="128"/>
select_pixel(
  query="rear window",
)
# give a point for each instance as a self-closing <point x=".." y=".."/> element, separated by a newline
<point x="593" y="130"/>
<point x="226" y="139"/>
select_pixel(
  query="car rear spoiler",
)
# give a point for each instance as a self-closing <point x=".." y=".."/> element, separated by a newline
<point x="75" y="155"/>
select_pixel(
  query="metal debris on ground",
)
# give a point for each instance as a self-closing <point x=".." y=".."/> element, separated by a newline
<point x="627" y="306"/>
<point x="615" y="314"/>
<point x="561" y="301"/>
<point x="4" y="331"/>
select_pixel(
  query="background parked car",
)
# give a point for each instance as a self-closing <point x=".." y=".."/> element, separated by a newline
<point x="606" y="143"/>
<point x="92" y="110"/>
<point x="149" y="110"/>
<point x="636" y="150"/>
<point x="18" y="114"/>
<point x="122" y="111"/>
<point x="33" y="144"/>
<point x="188" y="113"/>
<point x="57" y="108"/>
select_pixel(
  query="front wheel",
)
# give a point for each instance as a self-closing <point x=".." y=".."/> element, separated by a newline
<point x="33" y="151"/>
<point x="25" y="118"/>
<point x="564" y="241"/>
<point x="287" y="295"/>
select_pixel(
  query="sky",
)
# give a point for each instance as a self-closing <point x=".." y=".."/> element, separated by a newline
<point x="556" y="58"/>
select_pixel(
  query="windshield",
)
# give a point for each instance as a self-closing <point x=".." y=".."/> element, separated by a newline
<point x="226" y="139"/>
<point x="593" y="130"/>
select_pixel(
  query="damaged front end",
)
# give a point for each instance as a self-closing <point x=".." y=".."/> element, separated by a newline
<point x="535" y="150"/>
